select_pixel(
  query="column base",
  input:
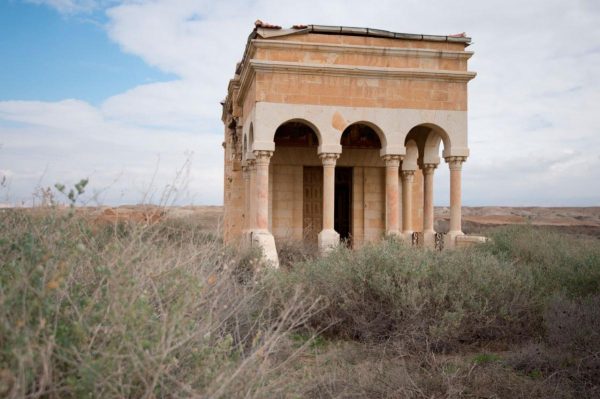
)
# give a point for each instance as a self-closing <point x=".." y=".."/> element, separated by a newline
<point x="450" y="238"/>
<point x="394" y="233"/>
<point x="266" y="242"/>
<point x="429" y="239"/>
<point x="328" y="239"/>
<point x="407" y="235"/>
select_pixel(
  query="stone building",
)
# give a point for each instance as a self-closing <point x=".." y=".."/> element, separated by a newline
<point x="335" y="132"/>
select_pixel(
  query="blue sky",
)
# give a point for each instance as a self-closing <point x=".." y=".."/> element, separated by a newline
<point x="126" y="93"/>
<point x="50" y="56"/>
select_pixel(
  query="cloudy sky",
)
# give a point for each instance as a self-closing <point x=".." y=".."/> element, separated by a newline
<point x="127" y="93"/>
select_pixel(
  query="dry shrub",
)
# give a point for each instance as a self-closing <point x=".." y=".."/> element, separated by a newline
<point x="166" y="310"/>
<point x="571" y="350"/>
<point x="558" y="262"/>
<point x="433" y="299"/>
<point x="342" y="369"/>
<point x="292" y="252"/>
<point x="126" y="310"/>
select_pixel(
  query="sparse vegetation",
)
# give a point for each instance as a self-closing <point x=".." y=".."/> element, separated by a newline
<point x="166" y="310"/>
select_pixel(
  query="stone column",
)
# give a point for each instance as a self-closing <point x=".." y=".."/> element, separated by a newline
<point x="328" y="237"/>
<point x="455" y="165"/>
<point x="246" y="174"/>
<point x="407" y="192"/>
<point x="262" y="189"/>
<point x="428" y="231"/>
<point x="251" y="194"/>
<point x="261" y="236"/>
<point x="392" y="192"/>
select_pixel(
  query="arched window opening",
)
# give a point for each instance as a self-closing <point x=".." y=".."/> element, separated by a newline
<point x="360" y="136"/>
<point x="295" y="134"/>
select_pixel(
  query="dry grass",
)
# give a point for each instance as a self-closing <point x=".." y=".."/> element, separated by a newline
<point x="166" y="310"/>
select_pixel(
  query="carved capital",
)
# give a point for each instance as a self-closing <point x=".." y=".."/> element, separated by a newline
<point x="250" y="165"/>
<point x="392" y="160"/>
<point x="428" y="168"/>
<point x="408" y="175"/>
<point x="329" y="159"/>
<point x="455" y="163"/>
<point x="262" y="157"/>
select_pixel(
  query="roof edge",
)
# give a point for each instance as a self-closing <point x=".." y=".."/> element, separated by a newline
<point x="355" y="31"/>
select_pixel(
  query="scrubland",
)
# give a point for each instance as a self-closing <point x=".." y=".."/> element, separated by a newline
<point x="128" y="309"/>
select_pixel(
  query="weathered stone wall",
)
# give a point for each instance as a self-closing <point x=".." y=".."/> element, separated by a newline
<point x="291" y="88"/>
<point x="233" y="196"/>
<point x="373" y="41"/>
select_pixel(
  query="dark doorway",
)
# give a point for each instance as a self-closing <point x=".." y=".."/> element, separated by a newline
<point x="343" y="202"/>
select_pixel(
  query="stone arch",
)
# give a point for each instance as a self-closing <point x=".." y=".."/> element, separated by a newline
<point x="376" y="129"/>
<point x="428" y="137"/>
<point x="296" y="133"/>
<point x="302" y="121"/>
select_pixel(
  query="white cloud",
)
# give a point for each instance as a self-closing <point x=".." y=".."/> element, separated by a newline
<point x="533" y="124"/>
<point x="71" y="6"/>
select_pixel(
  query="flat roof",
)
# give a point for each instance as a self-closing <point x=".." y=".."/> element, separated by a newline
<point x="268" y="30"/>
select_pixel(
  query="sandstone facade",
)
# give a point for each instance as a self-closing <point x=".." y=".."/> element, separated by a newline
<point x="335" y="132"/>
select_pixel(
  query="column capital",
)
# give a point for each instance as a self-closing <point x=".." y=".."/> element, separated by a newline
<point x="455" y="163"/>
<point x="262" y="157"/>
<point x="250" y="164"/>
<point x="392" y="160"/>
<point x="329" y="158"/>
<point x="408" y="174"/>
<point x="428" y="168"/>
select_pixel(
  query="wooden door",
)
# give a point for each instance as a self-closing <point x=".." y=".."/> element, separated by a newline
<point x="312" y="214"/>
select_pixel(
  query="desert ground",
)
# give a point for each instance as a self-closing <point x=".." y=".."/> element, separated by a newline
<point x="476" y="220"/>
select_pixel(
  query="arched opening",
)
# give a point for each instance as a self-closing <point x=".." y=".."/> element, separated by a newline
<point x="361" y="144"/>
<point x="429" y="139"/>
<point x="295" y="134"/>
<point x="360" y="136"/>
<point x="297" y="183"/>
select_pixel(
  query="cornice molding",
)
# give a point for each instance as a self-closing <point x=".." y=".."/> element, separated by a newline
<point x="358" y="49"/>
<point x="345" y="70"/>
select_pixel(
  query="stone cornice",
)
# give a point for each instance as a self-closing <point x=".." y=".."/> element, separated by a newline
<point x="357" y="49"/>
<point x="345" y="70"/>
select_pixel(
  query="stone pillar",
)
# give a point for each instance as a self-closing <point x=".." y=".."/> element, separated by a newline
<point x="407" y="193"/>
<point x="246" y="174"/>
<point x="455" y="165"/>
<point x="328" y="237"/>
<point x="261" y="236"/>
<point x="428" y="231"/>
<point x="251" y="194"/>
<point x="392" y="194"/>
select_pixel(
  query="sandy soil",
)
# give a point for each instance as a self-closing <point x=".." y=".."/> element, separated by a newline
<point x="585" y="220"/>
